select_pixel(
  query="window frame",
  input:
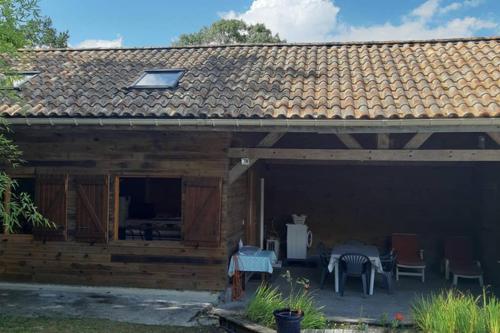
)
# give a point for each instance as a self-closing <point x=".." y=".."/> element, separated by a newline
<point x="34" y="73"/>
<point x="145" y="72"/>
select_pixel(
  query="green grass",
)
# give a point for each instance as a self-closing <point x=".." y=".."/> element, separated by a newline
<point x="14" y="324"/>
<point x="452" y="311"/>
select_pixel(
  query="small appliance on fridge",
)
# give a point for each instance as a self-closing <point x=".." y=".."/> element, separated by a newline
<point x="298" y="238"/>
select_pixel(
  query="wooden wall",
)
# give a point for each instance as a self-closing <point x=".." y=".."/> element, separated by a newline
<point x="237" y="213"/>
<point x="162" y="264"/>
<point x="370" y="202"/>
<point x="488" y="227"/>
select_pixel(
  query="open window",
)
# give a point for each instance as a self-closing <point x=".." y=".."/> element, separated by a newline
<point x="150" y="208"/>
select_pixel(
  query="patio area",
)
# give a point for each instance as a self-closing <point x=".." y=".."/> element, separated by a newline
<point x="353" y="307"/>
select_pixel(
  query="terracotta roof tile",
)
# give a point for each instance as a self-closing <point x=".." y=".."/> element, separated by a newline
<point x="454" y="78"/>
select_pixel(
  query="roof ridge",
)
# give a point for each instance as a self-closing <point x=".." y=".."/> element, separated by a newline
<point x="392" y="42"/>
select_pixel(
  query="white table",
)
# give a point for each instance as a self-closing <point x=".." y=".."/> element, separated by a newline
<point x="368" y="250"/>
<point x="259" y="261"/>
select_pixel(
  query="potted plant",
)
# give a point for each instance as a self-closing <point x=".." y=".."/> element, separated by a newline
<point x="288" y="319"/>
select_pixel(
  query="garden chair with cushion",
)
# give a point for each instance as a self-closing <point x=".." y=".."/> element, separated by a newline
<point x="459" y="260"/>
<point x="355" y="265"/>
<point x="410" y="257"/>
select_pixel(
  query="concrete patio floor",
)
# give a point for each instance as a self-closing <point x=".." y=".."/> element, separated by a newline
<point x="141" y="306"/>
<point x="353" y="307"/>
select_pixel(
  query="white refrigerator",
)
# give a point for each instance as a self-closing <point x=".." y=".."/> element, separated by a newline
<point x="297" y="236"/>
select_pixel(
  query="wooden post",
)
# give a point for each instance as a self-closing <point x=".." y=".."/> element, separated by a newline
<point x="116" y="208"/>
<point x="262" y="213"/>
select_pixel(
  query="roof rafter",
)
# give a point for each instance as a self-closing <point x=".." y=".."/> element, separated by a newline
<point x="268" y="141"/>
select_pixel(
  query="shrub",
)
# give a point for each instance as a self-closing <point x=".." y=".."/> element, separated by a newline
<point x="452" y="311"/>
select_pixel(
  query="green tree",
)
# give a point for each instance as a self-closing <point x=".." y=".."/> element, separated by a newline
<point x="21" y="25"/>
<point x="230" y="32"/>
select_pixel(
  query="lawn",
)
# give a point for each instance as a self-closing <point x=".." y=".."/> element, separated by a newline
<point x="12" y="324"/>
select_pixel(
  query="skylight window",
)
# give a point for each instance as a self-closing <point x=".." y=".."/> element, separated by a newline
<point x="159" y="78"/>
<point x="16" y="80"/>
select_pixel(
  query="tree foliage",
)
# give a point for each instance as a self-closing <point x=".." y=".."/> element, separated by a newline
<point x="224" y="32"/>
<point x="21" y="25"/>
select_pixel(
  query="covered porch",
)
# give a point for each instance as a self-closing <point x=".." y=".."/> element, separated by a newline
<point x="364" y="187"/>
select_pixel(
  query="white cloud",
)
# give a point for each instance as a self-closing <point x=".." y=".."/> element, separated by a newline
<point x="316" y="21"/>
<point x="451" y="7"/>
<point x="426" y="10"/>
<point x="294" y="20"/>
<point x="417" y="29"/>
<point x="100" y="43"/>
<point x="459" y="5"/>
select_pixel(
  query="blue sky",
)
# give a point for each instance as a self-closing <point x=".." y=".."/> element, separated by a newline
<point x="116" y="23"/>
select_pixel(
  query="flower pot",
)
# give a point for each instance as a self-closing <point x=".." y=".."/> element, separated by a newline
<point x="288" y="321"/>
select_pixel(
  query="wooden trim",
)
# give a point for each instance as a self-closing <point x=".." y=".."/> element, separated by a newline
<point x="267" y="125"/>
<point x="349" y="141"/>
<point x="367" y="155"/>
<point x="116" y="207"/>
<point x="417" y="140"/>
<point x="268" y="141"/>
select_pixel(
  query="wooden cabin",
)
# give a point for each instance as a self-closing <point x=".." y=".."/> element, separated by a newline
<point x="154" y="162"/>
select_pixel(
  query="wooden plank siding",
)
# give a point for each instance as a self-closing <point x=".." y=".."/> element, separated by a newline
<point x="151" y="264"/>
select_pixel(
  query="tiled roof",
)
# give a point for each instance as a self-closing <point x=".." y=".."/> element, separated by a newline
<point x="421" y="79"/>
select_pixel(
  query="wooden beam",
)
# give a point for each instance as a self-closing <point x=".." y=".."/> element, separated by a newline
<point x="495" y="136"/>
<point x="417" y="140"/>
<point x="439" y="155"/>
<point x="349" y="141"/>
<point x="268" y="141"/>
<point x="383" y="141"/>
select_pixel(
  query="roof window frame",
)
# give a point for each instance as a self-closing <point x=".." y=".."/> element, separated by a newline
<point x="145" y="72"/>
<point x="34" y="74"/>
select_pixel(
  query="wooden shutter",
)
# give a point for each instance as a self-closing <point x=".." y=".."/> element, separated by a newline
<point x="92" y="201"/>
<point x="51" y="197"/>
<point x="201" y="211"/>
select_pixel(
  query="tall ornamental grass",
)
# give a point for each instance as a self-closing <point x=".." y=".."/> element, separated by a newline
<point x="264" y="302"/>
<point x="452" y="311"/>
<point x="268" y="299"/>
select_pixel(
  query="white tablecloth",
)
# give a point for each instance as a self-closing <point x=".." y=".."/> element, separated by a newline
<point x="260" y="261"/>
<point x="368" y="250"/>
